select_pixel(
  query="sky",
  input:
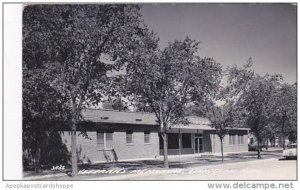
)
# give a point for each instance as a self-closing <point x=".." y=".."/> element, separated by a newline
<point x="231" y="33"/>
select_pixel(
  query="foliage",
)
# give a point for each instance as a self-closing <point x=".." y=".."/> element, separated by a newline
<point x="167" y="80"/>
<point x="69" y="49"/>
<point x="221" y="118"/>
<point x="40" y="110"/>
<point x="116" y="104"/>
<point x="282" y="109"/>
<point x="253" y="93"/>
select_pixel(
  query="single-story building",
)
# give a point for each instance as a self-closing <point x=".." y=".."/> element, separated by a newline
<point x="118" y="135"/>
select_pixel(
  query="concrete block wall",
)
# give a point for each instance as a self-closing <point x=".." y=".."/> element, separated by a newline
<point x="87" y="148"/>
<point x="88" y="151"/>
<point x="138" y="149"/>
<point x="216" y="144"/>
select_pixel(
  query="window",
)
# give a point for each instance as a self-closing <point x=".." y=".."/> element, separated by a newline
<point x="129" y="137"/>
<point x="161" y="142"/>
<point x="104" y="140"/>
<point x="231" y="139"/>
<point x="109" y="140"/>
<point x="147" y="137"/>
<point x="100" y="141"/>
<point x="186" y="140"/>
<point x="240" y="139"/>
<point x="173" y="142"/>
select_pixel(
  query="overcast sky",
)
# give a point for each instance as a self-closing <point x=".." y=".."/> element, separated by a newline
<point x="231" y="33"/>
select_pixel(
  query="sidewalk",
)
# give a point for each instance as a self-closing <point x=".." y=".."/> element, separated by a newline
<point x="268" y="169"/>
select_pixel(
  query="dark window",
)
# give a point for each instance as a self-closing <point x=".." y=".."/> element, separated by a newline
<point x="147" y="137"/>
<point x="186" y="140"/>
<point x="173" y="142"/>
<point x="129" y="137"/>
<point x="161" y="143"/>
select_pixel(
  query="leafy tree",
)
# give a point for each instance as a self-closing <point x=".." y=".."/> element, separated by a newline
<point x="198" y="109"/>
<point x="282" y="109"/>
<point x="142" y="107"/>
<point x="269" y="133"/>
<point x="222" y="120"/>
<point x="169" y="79"/>
<point x="253" y="93"/>
<point x="116" y="104"/>
<point x="255" y="100"/>
<point x="40" y="110"/>
<point x="75" y="46"/>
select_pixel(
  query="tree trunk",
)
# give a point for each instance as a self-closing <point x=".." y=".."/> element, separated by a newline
<point x="73" y="151"/>
<point x="258" y="149"/>
<point x="283" y="133"/>
<point x="165" y="139"/>
<point x="222" y="152"/>
<point x="283" y="141"/>
<point x="37" y="149"/>
<point x="37" y="156"/>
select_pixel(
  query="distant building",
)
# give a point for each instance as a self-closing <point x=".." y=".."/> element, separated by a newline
<point x="116" y="136"/>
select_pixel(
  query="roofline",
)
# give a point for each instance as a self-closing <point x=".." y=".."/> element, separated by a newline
<point x="245" y="129"/>
<point x="112" y="110"/>
<point x="212" y="129"/>
<point x="148" y="113"/>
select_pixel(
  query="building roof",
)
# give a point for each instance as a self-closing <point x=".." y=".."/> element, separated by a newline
<point x="114" y="116"/>
<point x="141" y="118"/>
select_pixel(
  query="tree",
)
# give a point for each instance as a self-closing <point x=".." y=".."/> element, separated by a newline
<point x="222" y="120"/>
<point x="198" y="108"/>
<point x="253" y="93"/>
<point x="39" y="112"/>
<point x="116" y="104"/>
<point x="142" y="107"/>
<point x="282" y="109"/>
<point x="75" y="46"/>
<point x="169" y="79"/>
<point x="269" y="134"/>
<point x="255" y="101"/>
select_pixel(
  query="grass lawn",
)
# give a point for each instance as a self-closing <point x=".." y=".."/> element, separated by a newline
<point x="121" y="168"/>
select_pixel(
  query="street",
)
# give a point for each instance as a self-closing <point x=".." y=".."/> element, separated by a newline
<point x="268" y="169"/>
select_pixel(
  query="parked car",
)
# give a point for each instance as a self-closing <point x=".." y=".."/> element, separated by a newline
<point x="290" y="152"/>
<point x="254" y="146"/>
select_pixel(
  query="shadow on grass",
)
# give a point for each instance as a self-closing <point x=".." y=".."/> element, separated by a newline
<point x="181" y="163"/>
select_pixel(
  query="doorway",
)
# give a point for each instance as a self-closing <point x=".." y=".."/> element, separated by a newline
<point x="198" y="145"/>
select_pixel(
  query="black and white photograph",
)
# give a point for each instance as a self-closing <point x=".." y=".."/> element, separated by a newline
<point x="159" y="92"/>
